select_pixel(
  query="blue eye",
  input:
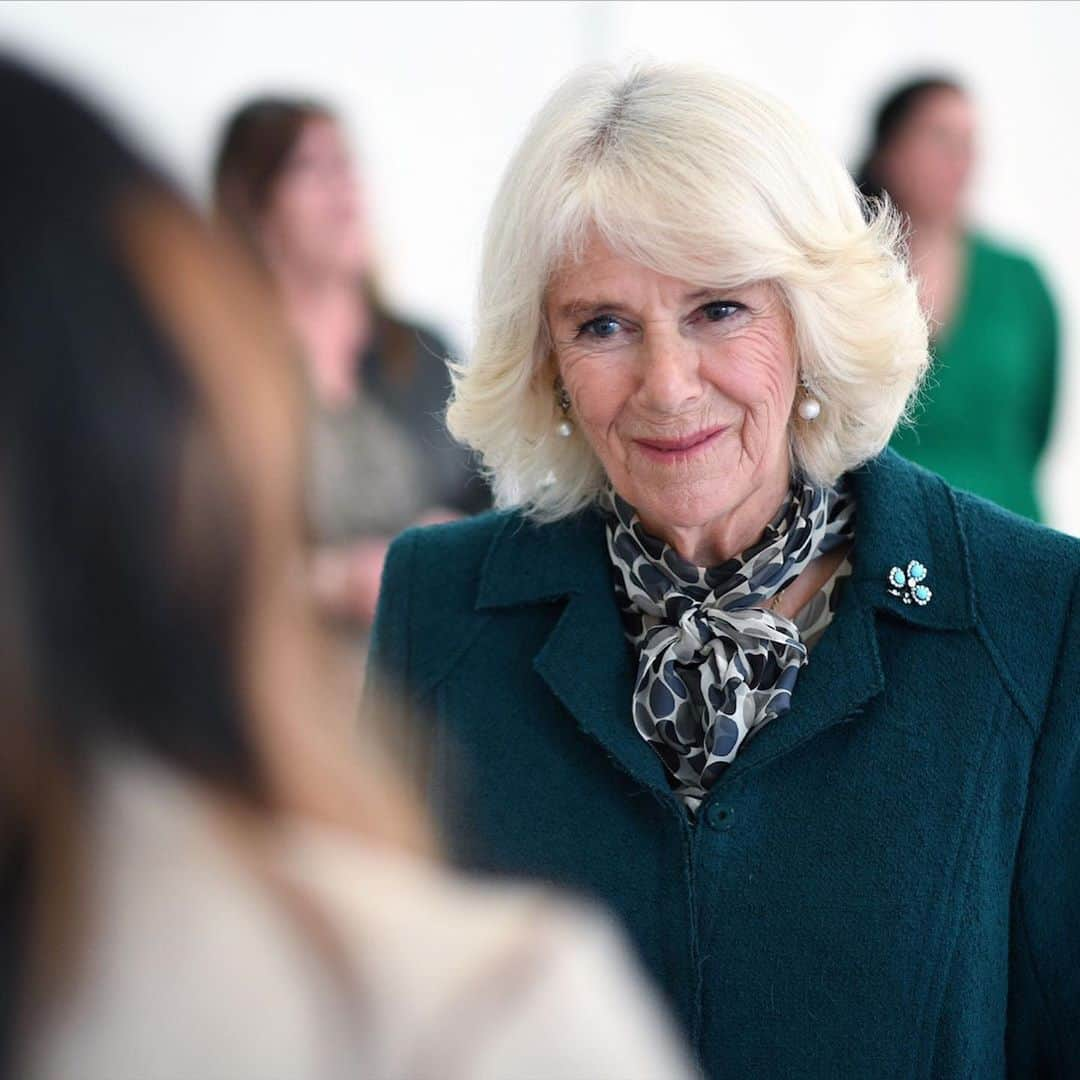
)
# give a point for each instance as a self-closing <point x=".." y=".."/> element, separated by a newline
<point x="719" y="310"/>
<point x="603" y="326"/>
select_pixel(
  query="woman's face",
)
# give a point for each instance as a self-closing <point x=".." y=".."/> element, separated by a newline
<point x="314" y="221"/>
<point x="684" y="393"/>
<point x="927" y="164"/>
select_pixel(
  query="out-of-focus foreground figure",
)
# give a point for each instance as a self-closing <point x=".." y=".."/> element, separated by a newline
<point x="285" y="181"/>
<point x="986" y="410"/>
<point x="197" y="880"/>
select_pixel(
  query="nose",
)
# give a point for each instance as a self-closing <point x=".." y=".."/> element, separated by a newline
<point x="671" y="377"/>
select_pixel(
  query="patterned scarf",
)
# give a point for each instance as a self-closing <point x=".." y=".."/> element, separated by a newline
<point x="714" y="664"/>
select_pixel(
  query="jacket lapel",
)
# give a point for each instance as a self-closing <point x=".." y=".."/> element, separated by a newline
<point x="586" y="660"/>
<point x="903" y="513"/>
<point x="589" y="667"/>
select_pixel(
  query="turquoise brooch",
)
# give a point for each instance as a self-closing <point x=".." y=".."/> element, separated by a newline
<point x="910" y="585"/>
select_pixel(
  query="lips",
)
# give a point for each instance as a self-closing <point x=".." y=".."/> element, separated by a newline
<point x="680" y="447"/>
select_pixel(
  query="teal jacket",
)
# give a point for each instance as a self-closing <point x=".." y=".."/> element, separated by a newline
<point x="884" y="883"/>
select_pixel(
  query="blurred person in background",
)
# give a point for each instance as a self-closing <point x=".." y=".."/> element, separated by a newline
<point x="285" y="182"/>
<point x="197" y="880"/>
<point x="984" y="415"/>
<point x="806" y="717"/>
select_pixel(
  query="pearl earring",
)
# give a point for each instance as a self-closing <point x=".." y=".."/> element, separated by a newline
<point x="565" y="428"/>
<point x="809" y="407"/>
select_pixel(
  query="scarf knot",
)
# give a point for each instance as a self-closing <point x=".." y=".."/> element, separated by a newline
<point x="713" y="664"/>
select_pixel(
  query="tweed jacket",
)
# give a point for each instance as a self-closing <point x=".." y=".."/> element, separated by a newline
<point x="886" y="880"/>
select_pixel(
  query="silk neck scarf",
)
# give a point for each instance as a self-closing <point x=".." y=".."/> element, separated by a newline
<point x="714" y="663"/>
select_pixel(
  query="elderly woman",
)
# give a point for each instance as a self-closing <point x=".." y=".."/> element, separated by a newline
<point x="805" y="717"/>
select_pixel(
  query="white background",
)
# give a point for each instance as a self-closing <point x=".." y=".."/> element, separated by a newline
<point x="436" y="95"/>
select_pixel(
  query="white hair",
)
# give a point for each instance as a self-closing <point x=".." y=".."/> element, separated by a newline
<point x="702" y="178"/>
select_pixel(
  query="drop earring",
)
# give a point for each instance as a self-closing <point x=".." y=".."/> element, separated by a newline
<point x="565" y="428"/>
<point x="810" y="406"/>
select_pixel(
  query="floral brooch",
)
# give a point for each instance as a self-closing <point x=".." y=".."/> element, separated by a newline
<point x="910" y="585"/>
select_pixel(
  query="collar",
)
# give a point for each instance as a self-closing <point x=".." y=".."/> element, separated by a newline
<point x="902" y="513"/>
<point x="529" y="563"/>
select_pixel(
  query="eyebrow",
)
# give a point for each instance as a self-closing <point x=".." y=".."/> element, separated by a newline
<point x="574" y="309"/>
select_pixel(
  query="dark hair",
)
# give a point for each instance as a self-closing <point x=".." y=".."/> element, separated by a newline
<point x="254" y="150"/>
<point x="112" y="631"/>
<point x="256" y="142"/>
<point x="890" y="116"/>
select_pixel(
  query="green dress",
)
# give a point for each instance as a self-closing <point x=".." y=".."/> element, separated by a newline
<point x="984" y="413"/>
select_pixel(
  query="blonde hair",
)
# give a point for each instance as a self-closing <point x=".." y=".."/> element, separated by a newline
<point x="703" y="178"/>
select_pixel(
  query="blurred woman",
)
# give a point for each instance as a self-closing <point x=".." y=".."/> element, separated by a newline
<point x="284" y="181"/>
<point x="197" y="880"/>
<point x="986" y="410"/>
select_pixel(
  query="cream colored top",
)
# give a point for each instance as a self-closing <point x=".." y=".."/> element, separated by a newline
<point x="198" y="969"/>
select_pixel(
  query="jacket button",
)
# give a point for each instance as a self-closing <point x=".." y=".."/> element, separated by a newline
<point x="719" y="817"/>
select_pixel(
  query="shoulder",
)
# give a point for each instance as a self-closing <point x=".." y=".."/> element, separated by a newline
<point x="1002" y="557"/>
<point x="993" y="250"/>
<point x="411" y="908"/>
<point x="430" y="587"/>
<point x="451" y="579"/>
<point x="429" y="340"/>
<point x="459" y="556"/>
<point x="1013" y="560"/>
<point x="527" y="984"/>
<point x="444" y="562"/>
<point x="429" y="581"/>
<point x="172" y="899"/>
<point x="1006" y="578"/>
<point x="1024" y="579"/>
<point x="430" y="348"/>
<point x="1006" y="262"/>
<point x="406" y="365"/>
